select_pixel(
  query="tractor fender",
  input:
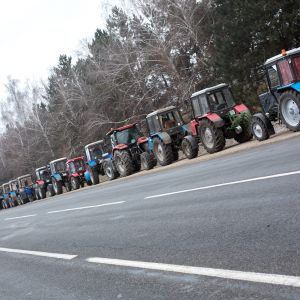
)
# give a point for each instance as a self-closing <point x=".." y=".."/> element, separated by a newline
<point x="216" y="119"/>
<point x="120" y="147"/>
<point x="75" y="175"/>
<point x="92" y="163"/>
<point x="165" y="137"/>
<point x="239" y="108"/>
<point x="40" y="182"/>
<point x="87" y="176"/>
<point x="57" y="177"/>
<point x="266" y="121"/>
<point x="295" y="86"/>
<point x="194" y="125"/>
<point x="142" y="140"/>
<point x="192" y="140"/>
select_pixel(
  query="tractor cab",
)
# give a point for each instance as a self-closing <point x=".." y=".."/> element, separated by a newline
<point x="75" y="165"/>
<point x="77" y="173"/>
<point x="96" y="152"/>
<point x="168" y="119"/>
<point x="282" y="100"/>
<point x="58" y="166"/>
<point x="26" y="189"/>
<point x="43" y="174"/>
<point x="128" y="135"/>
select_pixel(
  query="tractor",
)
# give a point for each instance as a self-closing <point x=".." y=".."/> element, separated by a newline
<point x="26" y="189"/>
<point x="59" y="175"/>
<point x="169" y="134"/>
<point x="100" y="162"/>
<point x="77" y="173"/>
<point x="130" y="150"/>
<point x="217" y="117"/>
<point x="43" y="184"/>
<point x="14" y="192"/>
<point x="282" y="101"/>
<point x="6" y="202"/>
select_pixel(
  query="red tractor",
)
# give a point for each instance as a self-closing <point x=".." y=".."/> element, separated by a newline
<point x="130" y="150"/>
<point x="77" y="173"/>
<point x="217" y="117"/>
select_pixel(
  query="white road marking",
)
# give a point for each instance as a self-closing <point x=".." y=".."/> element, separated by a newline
<point x="84" y="207"/>
<point x="39" y="253"/>
<point x="21" y="217"/>
<point x="225" y="184"/>
<point x="276" y="279"/>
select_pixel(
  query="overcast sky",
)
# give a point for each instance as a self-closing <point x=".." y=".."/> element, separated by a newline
<point x="33" y="33"/>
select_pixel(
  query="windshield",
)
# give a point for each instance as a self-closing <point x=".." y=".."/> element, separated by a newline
<point x="26" y="181"/>
<point x="170" y="119"/>
<point x="76" y="166"/>
<point x="128" y="136"/>
<point x="60" y="166"/>
<point x="45" y="175"/>
<point x="96" y="151"/>
<point x="14" y="186"/>
<point x="220" y="99"/>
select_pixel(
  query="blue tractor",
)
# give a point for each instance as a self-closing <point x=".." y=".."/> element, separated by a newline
<point x="26" y="189"/>
<point x="282" y="101"/>
<point x="59" y="175"/>
<point x="6" y="202"/>
<point x="169" y="134"/>
<point x="99" y="160"/>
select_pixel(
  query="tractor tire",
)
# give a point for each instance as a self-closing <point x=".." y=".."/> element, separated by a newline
<point x="290" y="109"/>
<point x="82" y="183"/>
<point x="147" y="161"/>
<point x="188" y="149"/>
<point x="75" y="184"/>
<point x="68" y="186"/>
<point x="94" y="176"/>
<point x="163" y="153"/>
<point x="212" y="138"/>
<point x="57" y="186"/>
<point x="259" y="129"/>
<point x="175" y="154"/>
<point x="37" y="192"/>
<point x="31" y="198"/>
<point x="124" y="163"/>
<point x="41" y="194"/>
<point x="246" y="135"/>
<point x="50" y="190"/>
<point x="109" y="170"/>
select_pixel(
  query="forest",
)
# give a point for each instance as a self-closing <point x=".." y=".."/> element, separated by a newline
<point x="153" y="56"/>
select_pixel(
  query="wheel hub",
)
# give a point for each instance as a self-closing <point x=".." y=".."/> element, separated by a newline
<point x="208" y="138"/>
<point x="257" y="130"/>
<point x="290" y="112"/>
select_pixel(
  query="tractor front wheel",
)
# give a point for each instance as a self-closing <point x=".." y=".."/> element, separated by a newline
<point x="57" y="186"/>
<point x="211" y="137"/>
<point x="109" y="170"/>
<point x="41" y="193"/>
<point x="75" y="183"/>
<point x="124" y="163"/>
<point x="290" y="109"/>
<point x="259" y="129"/>
<point x="188" y="150"/>
<point x="50" y="190"/>
<point x="147" y="161"/>
<point x="245" y="135"/>
<point x="163" y="152"/>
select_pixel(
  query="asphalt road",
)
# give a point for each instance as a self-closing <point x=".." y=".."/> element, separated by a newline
<point x="235" y="220"/>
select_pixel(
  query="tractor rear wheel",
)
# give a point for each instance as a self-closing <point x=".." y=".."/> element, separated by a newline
<point x="188" y="150"/>
<point x="37" y="192"/>
<point x="94" y="176"/>
<point x="109" y="170"/>
<point x="75" y="183"/>
<point x="50" y="190"/>
<point x="245" y="135"/>
<point x="57" y="186"/>
<point x="212" y="138"/>
<point x="124" y="163"/>
<point x="162" y="152"/>
<point x="147" y="161"/>
<point x="259" y="129"/>
<point x="290" y="109"/>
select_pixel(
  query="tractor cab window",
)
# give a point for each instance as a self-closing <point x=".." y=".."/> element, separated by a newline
<point x="228" y="97"/>
<point x="45" y="175"/>
<point x="14" y="186"/>
<point x="128" y="136"/>
<point x="216" y="101"/>
<point x="6" y="189"/>
<point x="153" y="124"/>
<point x="273" y="76"/>
<point x="59" y="166"/>
<point x="76" y="166"/>
<point x="96" y="152"/>
<point x="27" y="181"/>
<point x="296" y="63"/>
<point x="285" y="71"/>
<point x="170" y="119"/>
<point x="200" y="105"/>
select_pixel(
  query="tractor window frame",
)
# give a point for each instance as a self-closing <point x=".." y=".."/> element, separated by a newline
<point x="153" y="124"/>
<point x="285" y="71"/>
<point x="201" y="103"/>
<point x="274" y="81"/>
<point x="296" y="66"/>
<point x="91" y="149"/>
<point x="170" y="116"/>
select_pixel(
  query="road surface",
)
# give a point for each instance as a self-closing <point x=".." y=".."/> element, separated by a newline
<point x="227" y="228"/>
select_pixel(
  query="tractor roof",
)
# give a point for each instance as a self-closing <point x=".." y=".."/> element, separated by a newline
<point x="93" y="144"/>
<point x="121" y="128"/>
<point x="213" y="88"/>
<point x="24" y="176"/>
<point x="41" y="168"/>
<point x="57" y="160"/>
<point x="14" y="180"/>
<point x="162" y="110"/>
<point x="5" y="184"/>
<point x="281" y="55"/>
<point x="74" y="159"/>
